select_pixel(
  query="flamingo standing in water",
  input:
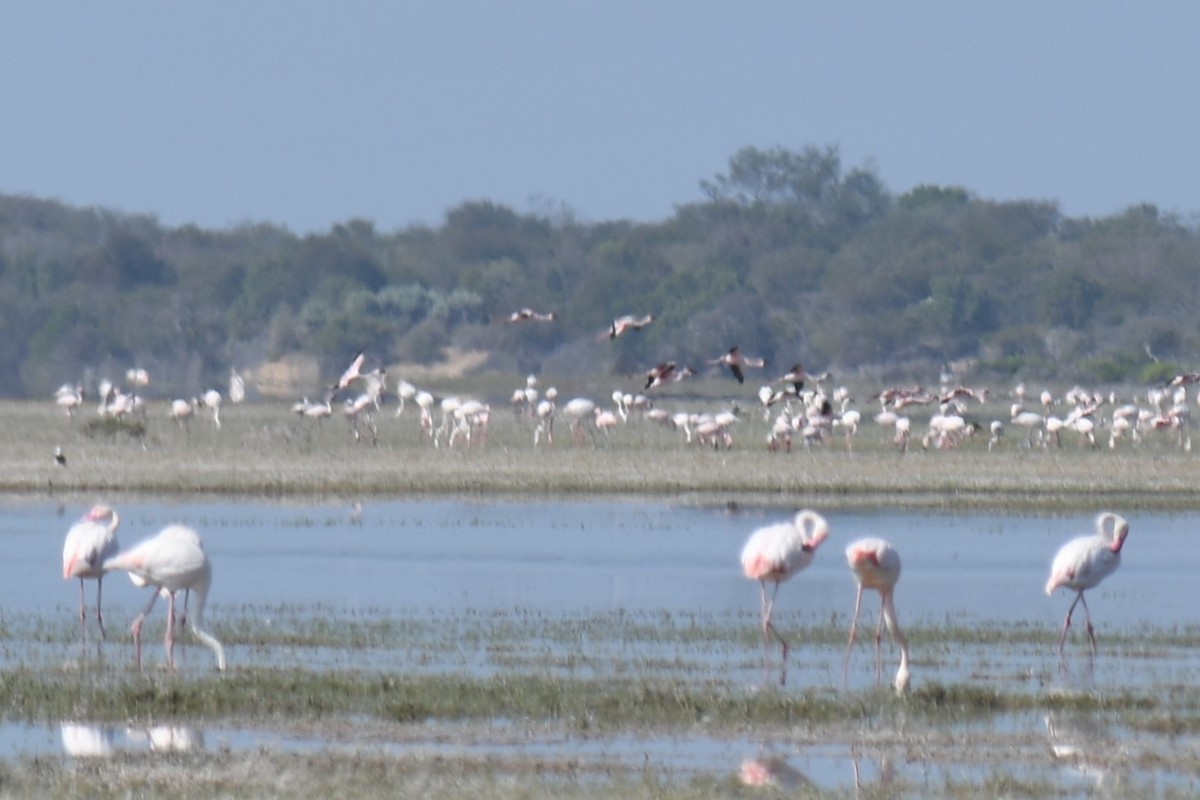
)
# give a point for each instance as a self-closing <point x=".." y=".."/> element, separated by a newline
<point x="776" y="553"/>
<point x="170" y="561"/>
<point x="90" y="543"/>
<point x="876" y="565"/>
<point x="1085" y="561"/>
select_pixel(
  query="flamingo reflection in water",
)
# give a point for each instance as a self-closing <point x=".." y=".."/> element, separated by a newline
<point x="769" y="770"/>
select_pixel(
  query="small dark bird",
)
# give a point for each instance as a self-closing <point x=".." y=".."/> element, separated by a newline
<point x="59" y="458"/>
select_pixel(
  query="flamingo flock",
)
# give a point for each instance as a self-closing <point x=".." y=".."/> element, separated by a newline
<point x="776" y="553"/>
<point x="797" y="409"/>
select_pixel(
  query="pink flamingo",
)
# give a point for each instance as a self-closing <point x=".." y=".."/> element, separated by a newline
<point x="172" y="560"/>
<point x="876" y="565"/>
<point x="776" y="553"/>
<point x="90" y="542"/>
<point x="1085" y="561"/>
<point x="352" y="373"/>
<point x="628" y="322"/>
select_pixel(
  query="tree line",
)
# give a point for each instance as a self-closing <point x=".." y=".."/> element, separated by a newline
<point x="790" y="255"/>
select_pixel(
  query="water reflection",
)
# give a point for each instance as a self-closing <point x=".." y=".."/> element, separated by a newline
<point x="167" y="738"/>
<point x="80" y="740"/>
<point x="85" y="740"/>
<point x="1082" y="742"/>
<point x="772" y="770"/>
<point x="884" y="773"/>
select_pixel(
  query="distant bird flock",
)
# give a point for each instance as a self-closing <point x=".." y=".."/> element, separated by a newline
<point x="798" y="409"/>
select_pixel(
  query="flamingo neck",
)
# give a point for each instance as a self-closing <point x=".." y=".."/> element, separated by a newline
<point x="197" y="622"/>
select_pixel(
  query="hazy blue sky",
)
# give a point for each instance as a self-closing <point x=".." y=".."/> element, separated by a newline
<point x="312" y="113"/>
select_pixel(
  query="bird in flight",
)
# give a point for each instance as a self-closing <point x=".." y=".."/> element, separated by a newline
<point x="628" y="323"/>
<point x="529" y="315"/>
<point x="352" y="372"/>
<point x="660" y="374"/>
<point x="736" y="361"/>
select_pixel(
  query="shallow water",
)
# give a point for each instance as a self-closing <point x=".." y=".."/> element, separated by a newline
<point x="533" y="561"/>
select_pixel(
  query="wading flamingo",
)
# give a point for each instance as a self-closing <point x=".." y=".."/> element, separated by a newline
<point x="90" y="543"/>
<point x="774" y="554"/>
<point x="1085" y="561"/>
<point x="876" y="565"/>
<point x="171" y="561"/>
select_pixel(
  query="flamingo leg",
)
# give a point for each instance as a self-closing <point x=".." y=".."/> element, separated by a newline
<point x="136" y="628"/>
<point x="1088" y="617"/>
<point x="769" y="630"/>
<point x="1067" y="622"/>
<point x="170" y="640"/>
<point x="879" y="640"/>
<point x="187" y="595"/>
<point x="82" y="611"/>
<point x="853" y="629"/>
<point x="99" y="614"/>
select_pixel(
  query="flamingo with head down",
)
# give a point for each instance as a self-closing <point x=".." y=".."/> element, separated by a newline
<point x="773" y="555"/>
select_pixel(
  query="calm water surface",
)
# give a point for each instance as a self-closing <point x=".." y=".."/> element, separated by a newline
<point x="579" y="557"/>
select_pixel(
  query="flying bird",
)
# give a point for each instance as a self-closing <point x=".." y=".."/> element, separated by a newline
<point x="60" y="458"/>
<point x="876" y="565"/>
<point x="529" y="315"/>
<point x="171" y="561"/>
<point x="89" y="544"/>
<point x="352" y="372"/>
<point x="1085" y="561"/>
<point x="773" y="555"/>
<point x="660" y="374"/>
<point x="628" y="323"/>
<point x="736" y="361"/>
<point x="795" y="376"/>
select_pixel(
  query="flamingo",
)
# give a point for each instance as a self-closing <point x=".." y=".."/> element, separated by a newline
<point x="90" y="543"/>
<point x="172" y="560"/>
<point x="352" y="371"/>
<point x="628" y="323"/>
<point x="776" y="553"/>
<point x="529" y="315"/>
<point x="211" y="400"/>
<point x="577" y="411"/>
<point x="735" y="361"/>
<point x="237" y="386"/>
<point x="1085" y="561"/>
<point x="795" y="376"/>
<point x="181" y="411"/>
<point x="659" y="374"/>
<point x="876" y="565"/>
<point x="69" y="398"/>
